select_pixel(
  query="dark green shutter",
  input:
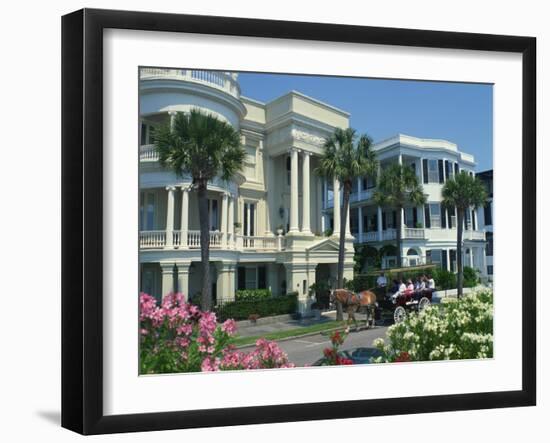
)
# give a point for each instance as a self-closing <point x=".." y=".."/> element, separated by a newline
<point x="415" y="217"/>
<point x="444" y="258"/>
<point x="384" y="223"/>
<point x="261" y="278"/>
<point x="394" y="219"/>
<point x="443" y="216"/>
<point x="241" y="278"/>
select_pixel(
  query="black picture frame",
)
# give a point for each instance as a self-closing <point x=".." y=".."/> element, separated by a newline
<point x="82" y="189"/>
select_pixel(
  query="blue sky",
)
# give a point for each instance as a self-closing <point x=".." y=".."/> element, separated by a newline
<point x="459" y="112"/>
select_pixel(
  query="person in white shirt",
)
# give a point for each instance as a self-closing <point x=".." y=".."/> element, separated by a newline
<point x="431" y="282"/>
<point x="401" y="290"/>
<point x="381" y="281"/>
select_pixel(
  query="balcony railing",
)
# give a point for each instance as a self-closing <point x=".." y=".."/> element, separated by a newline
<point x="148" y="153"/>
<point x="224" y="81"/>
<point x="414" y="233"/>
<point x="218" y="240"/>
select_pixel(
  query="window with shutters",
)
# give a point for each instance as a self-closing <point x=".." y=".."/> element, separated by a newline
<point x="433" y="173"/>
<point x="435" y="215"/>
<point x="409" y="217"/>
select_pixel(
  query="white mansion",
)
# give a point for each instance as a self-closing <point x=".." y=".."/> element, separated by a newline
<point x="268" y="225"/>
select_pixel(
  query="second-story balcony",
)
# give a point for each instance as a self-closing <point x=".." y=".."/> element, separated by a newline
<point x="417" y="234"/>
<point x="224" y="81"/>
<point x="148" y="153"/>
<point x="161" y="239"/>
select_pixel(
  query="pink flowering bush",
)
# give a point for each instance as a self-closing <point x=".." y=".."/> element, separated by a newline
<point x="178" y="337"/>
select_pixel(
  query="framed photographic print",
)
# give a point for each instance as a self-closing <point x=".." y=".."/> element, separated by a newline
<point x="255" y="211"/>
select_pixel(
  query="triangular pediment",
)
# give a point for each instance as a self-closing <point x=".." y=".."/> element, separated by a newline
<point x="326" y="245"/>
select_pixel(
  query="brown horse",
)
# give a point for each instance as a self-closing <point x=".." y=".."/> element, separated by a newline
<point x="351" y="302"/>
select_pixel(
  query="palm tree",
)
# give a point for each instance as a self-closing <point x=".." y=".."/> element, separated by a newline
<point x="398" y="186"/>
<point x="204" y="147"/>
<point x="463" y="191"/>
<point x="346" y="157"/>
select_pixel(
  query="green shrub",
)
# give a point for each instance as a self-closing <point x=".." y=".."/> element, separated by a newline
<point x="265" y="307"/>
<point x="471" y="277"/>
<point x="444" y="279"/>
<point x="252" y="294"/>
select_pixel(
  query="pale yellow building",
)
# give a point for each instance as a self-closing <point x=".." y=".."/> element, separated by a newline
<point x="267" y="226"/>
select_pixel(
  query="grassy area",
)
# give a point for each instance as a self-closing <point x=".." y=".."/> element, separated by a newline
<point x="320" y="327"/>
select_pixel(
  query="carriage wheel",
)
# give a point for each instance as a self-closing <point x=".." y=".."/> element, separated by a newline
<point x="423" y="303"/>
<point x="399" y="314"/>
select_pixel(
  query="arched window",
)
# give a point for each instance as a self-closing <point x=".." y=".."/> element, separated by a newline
<point x="412" y="251"/>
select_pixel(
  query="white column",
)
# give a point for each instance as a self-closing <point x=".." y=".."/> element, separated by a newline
<point x="248" y="221"/>
<point x="184" y="227"/>
<point x="360" y="216"/>
<point x="306" y="228"/>
<point x="231" y="222"/>
<point x="294" y="228"/>
<point x="170" y="217"/>
<point x="172" y="115"/>
<point x="379" y="215"/>
<point x="269" y="200"/>
<point x="400" y="159"/>
<point x="471" y="257"/>
<point x="223" y="227"/>
<point x="336" y="200"/>
<point x="323" y="223"/>
<point x="183" y="278"/>
<point x="167" y="271"/>
<point x="421" y="171"/>
<point x="319" y="207"/>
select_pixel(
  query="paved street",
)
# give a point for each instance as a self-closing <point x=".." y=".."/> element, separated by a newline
<point x="306" y="350"/>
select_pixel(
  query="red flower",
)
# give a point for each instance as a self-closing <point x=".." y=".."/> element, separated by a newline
<point x="403" y="357"/>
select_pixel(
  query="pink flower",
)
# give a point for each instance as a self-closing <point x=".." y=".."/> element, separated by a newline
<point x="229" y="326"/>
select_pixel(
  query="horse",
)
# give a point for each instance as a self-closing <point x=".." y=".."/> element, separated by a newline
<point x="351" y="302"/>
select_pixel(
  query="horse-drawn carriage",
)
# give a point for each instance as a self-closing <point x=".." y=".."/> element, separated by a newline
<point x="402" y="303"/>
<point x="372" y="302"/>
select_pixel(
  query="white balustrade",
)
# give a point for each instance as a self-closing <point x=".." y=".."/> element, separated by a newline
<point x="259" y="243"/>
<point x="152" y="239"/>
<point x="157" y="239"/>
<point x="194" y="239"/>
<point x="148" y="153"/>
<point x="413" y="233"/>
<point x="389" y="234"/>
<point x="370" y="236"/>
<point x="216" y="79"/>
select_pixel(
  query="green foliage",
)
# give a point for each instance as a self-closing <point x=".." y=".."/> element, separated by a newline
<point x="456" y="329"/>
<point x="243" y="309"/>
<point x="398" y="186"/>
<point x="444" y="279"/>
<point x="464" y="191"/>
<point x="361" y="282"/>
<point x="328" y="232"/>
<point x="366" y="255"/>
<point x="347" y="157"/>
<point x="200" y="145"/>
<point x="252" y="294"/>
<point x="471" y="277"/>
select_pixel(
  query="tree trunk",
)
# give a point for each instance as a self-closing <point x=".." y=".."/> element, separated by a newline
<point x="398" y="235"/>
<point x="460" y="270"/>
<point x="341" y="246"/>
<point x="206" y="292"/>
